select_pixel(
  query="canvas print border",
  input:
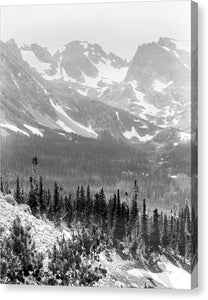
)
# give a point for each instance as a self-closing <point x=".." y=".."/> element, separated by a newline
<point x="99" y="145"/>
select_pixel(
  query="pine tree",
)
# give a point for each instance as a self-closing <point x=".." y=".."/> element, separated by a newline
<point x="112" y="211"/>
<point x="173" y="231"/>
<point x="194" y="237"/>
<point x="42" y="200"/>
<point x="187" y="230"/>
<point x="69" y="210"/>
<point x="56" y="202"/>
<point x="134" y="215"/>
<point x="2" y="186"/>
<point x="88" y="207"/>
<point x="17" y="194"/>
<point x="144" y="228"/>
<point x="165" y="234"/>
<point x="119" y="227"/>
<point x="155" y="233"/>
<point x="82" y="204"/>
<point x="102" y="209"/>
<point x="19" y="258"/>
<point x="96" y="208"/>
<point x="182" y="238"/>
<point x="33" y="200"/>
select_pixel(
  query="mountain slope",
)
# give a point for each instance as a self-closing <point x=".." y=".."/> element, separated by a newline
<point x="157" y="85"/>
<point x="32" y="105"/>
<point x="120" y="272"/>
<point x="86" y="67"/>
<point x="44" y="90"/>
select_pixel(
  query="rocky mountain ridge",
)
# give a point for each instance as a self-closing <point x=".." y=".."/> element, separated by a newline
<point x="36" y="100"/>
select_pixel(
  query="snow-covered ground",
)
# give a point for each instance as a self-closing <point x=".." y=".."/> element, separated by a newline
<point x="69" y="125"/>
<point x="117" y="115"/>
<point x="133" y="133"/>
<point x="147" y="107"/>
<point x="160" y="86"/>
<point x="34" y="62"/>
<point x="171" y="277"/>
<point x="34" y="130"/>
<point x="13" y="128"/>
<point x="184" y="136"/>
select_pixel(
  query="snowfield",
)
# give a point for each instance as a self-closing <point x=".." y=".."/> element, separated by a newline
<point x="171" y="277"/>
<point x="117" y="115"/>
<point x="185" y="137"/>
<point x="34" y="62"/>
<point x="147" y="107"/>
<point x="69" y="125"/>
<point x="160" y="86"/>
<point x="133" y="133"/>
<point x="34" y="130"/>
<point x="13" y="128"/>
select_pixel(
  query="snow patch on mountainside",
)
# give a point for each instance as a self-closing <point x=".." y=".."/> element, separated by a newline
<point x="159" y="86"/>
<point x="64" y="127"/>
<point x="166" y="48"/>
<point x="34" y="62"/>
<point x="117" y="115"/>
<point x="76" y="126"/>
<point x="13" y="128"/>
<point x="171" y="276"/>
<point x="133" y="133"/>
<point x="34" y="130"/>
<point x="185" y="137"/>
<point x="147" y="107"/>
<point x="84" y="44"/>
<point x="176" y="54"/>
<point x="45" y="91"/>
<point x="15" y="82"/>
<point x="106" y="73"/>
<point x="185" y="65"/>
<point x="83" y="93"/>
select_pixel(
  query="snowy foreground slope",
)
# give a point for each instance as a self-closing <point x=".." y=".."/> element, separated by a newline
<point x="121" y="272"/>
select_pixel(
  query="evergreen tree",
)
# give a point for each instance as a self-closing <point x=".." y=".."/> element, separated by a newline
<point x="173" y="232"/>
<point x="69" y="210"/>
<point x="112" y="211"/>
<point x="17" y="194"/>
<point x="134" y="216"/>
<point x="119" y="230"/>
<point x="194" y="237"/>
<point x="165" y="234"/>
<point x="155" y="233"/>
<point x="102" y="209"/>
<point x="2" y="186"/>
<point x="20" y="262"/>
<point x="96" y="209"/>
<point x="88" y="206"/>
<point x="187" y="230"/>
<point x="33" y="201"/>
<point x="144" y="229"/>
<point x="41" y="198"/>
<point x="182" y="238"/>
<point x="56" y="200"/>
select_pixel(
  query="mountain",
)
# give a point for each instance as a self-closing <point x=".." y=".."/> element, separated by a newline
<point x="31" y="104"/>
<point x="157" y="85"/>
<point x="78" y="89"/>
<point x="86" y="67"/>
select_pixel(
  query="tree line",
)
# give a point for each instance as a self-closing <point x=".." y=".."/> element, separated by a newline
<point x="125" y="225"/>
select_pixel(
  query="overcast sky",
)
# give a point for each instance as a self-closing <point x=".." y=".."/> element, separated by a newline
<point x="117" y="27"/>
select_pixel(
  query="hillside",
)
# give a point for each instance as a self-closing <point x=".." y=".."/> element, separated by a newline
<point x="121" y="271"/>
